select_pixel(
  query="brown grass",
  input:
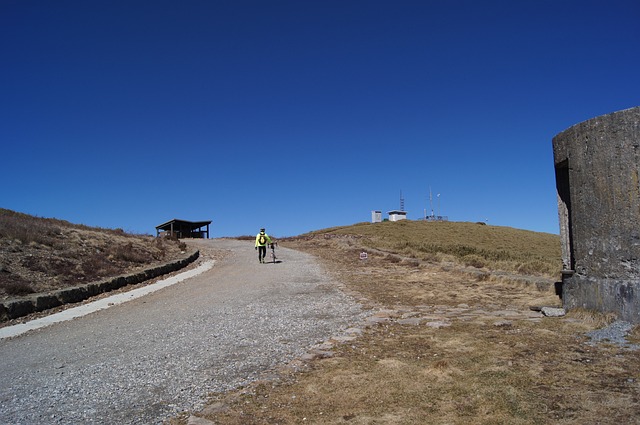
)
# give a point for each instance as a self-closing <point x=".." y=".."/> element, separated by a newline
<point x="480" y="246"/>
<point x="466" y="373"/>
<point x="42" y="254"/>
<point x="491" y="362"/>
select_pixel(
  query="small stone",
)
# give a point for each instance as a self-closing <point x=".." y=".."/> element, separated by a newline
<point x="323" y="347"/>
<point x="194" y="420"/>
<point x="410" y="321"/>
<point x="323" y="354"/>
<point x="317" y="354"/>
<point x="553" y="311"/>
<point x="214" y="408"/>
<point x="438" y="325"/>
<point x="386" y="313"/>
<point x="345" y="338"/>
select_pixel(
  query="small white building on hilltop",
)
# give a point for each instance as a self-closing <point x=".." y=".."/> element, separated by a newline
<point x="376" y="216"/>
<point x="397" y="215"/>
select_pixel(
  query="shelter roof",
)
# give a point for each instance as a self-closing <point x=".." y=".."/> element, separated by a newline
<point x="183" y="223"/>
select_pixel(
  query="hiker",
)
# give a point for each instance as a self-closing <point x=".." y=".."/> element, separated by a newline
<point x="262" y="239"/>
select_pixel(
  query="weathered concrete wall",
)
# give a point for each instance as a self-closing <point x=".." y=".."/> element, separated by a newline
<point x="597" y="177"/>
<point x="18" y="307"/>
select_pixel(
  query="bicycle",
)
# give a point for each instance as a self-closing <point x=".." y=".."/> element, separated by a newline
<point x="273" y="251"/>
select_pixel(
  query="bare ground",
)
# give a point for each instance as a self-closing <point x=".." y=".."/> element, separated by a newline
<point x="444" y="346"/>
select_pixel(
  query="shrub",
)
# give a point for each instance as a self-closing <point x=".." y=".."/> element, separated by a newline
<point x="129" y="253"/>
<point x="16" y="287"/>
<point x="483" y="277"/>
<point x="474" y="261"/>
<point x="94" y="266"/>
<point x="160" y="249"/>
<point x="431" y="257"/>
<point x="411" y="262"/>
<point x="534" y="267"/>
<point x="393" y="258"/>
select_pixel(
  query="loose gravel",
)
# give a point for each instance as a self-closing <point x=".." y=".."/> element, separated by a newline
<point x="616" y="333"/>
<point x="146" y="360"/>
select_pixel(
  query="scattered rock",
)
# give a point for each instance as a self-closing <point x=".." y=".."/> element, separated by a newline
<point x="344" y="338"/>
<point x="387" y="314"/>
<point x="317" y="354"/>
<point x="375" y="319"/>
<point x="615" y="333"/>
<point x="325" y="346"/>
<point x="438" y="324"/>
<point x="410" y="321"/>
<point x="214" y="408"/>
<point x="553" y="311"/>
<point x="194" y="420"/>
<point x="507" y="313"/>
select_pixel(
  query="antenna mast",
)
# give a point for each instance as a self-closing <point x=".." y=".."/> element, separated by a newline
<point x="401" y="202"/>
<point x="431" y="201"/>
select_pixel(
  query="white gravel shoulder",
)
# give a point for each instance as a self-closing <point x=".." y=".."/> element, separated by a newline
<point x="148" y="359"/>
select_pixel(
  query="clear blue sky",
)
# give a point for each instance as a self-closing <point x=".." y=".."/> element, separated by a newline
<point x="301" y="115"/>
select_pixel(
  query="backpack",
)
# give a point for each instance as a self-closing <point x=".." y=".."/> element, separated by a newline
<point x="262" y="239"/>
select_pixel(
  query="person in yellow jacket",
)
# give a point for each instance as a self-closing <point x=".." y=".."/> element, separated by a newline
<point x="262" y="239"/>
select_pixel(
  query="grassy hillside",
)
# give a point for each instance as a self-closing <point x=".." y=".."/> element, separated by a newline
<point x="42" y="254"/>
<point x="443" y="345"/>
<point x="470" y="244"/>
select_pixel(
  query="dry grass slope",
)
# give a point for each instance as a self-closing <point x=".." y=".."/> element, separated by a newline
<point x="471" y="244"/>
<point x="43" y="254"/>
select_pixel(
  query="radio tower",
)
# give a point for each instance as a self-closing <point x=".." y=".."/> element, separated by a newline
<point x="401" y="202"/>
<point x="431" y="202"/>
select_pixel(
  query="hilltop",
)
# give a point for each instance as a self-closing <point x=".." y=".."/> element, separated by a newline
<point x="476" y="245"/>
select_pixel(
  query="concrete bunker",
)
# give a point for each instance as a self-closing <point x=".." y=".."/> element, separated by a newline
<point x="597" y="167"/>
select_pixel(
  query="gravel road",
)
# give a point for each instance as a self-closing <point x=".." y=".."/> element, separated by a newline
<point x="144" y="361"/>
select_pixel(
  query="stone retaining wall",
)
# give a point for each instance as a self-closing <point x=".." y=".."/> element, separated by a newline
<point x="18" y="307"/>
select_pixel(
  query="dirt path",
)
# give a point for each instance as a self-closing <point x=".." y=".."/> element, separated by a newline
<point x="145" y="360"/>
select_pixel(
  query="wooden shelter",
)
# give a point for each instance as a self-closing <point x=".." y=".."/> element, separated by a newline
<point x="184" y="229"/>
